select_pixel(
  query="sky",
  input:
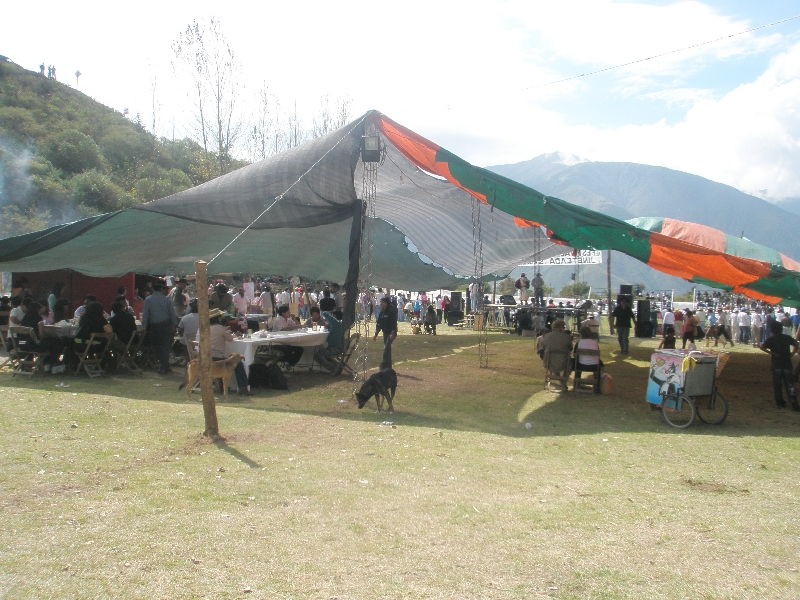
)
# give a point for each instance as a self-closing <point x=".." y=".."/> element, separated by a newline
<point x="493" y="82"/>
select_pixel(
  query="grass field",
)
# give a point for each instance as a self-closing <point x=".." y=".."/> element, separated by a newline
<point x="109" y="490"/>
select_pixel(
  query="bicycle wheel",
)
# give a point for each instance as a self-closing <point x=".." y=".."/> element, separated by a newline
<point x="678" y="411"/>
<point x="712" y="409"/>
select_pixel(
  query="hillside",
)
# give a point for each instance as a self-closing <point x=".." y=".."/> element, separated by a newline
<point x="627" y="190"/>
<point x="64" y="156"/>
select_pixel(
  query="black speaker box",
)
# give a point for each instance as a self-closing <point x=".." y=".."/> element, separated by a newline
<point x="626" y="290"/>
<point x="456" y="301"/>
<point x="642" y="311"/>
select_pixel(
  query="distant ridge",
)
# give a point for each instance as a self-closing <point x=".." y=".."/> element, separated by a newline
<point x="628" y="190"/>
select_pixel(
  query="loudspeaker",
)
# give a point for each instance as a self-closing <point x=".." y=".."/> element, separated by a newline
<point x="626" y="290"/>
<point x="456" y="301"/>
<point x="643" y="311"/>
<point x="454" y="316"/>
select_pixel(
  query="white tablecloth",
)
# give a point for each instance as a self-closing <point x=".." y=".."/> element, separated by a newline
<point x="300" y="337"/>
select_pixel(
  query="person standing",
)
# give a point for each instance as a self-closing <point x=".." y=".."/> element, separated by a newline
<point x="622" y="320"/>
<point x="387" y="323"/>
<point x="178" y="297"/>
<point x="667" y="320"/>
<point x="159" y="321"/>
<point x="538" y="290"/>
<point x="523" y="284"/>
<point x="781" y="348"/>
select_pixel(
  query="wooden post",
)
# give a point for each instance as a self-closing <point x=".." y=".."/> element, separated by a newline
<point x="608" y="280"/>
<point x="209" y="406"/>
<point x="494" y="292"/>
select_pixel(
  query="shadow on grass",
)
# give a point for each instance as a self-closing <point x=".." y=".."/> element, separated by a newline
<point x="223" y="445"/>
<point x="442" y="388"/>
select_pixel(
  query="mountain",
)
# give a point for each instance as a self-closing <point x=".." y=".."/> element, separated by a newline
<point x="791" y="205"/>
<point x="628" y="190"/>
<point x="65" y="156"/>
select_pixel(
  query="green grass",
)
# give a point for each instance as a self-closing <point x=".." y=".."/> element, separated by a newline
<point x="109" y="490"/>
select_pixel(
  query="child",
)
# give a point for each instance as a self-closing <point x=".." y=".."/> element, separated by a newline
<point x="668" y="341"/>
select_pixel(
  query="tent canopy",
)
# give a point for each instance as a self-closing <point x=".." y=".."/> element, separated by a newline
<point x="422" y="233"/>
<point x="303" y="212"/>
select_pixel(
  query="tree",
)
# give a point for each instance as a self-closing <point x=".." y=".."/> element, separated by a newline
<point x="506" y="287"/>
<point x="575" y="290"/>
<point x="215" y="74"/>
<point x="73" y="152"/>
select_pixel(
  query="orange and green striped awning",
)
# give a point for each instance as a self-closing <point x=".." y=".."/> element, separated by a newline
<point x="697" y="253"/>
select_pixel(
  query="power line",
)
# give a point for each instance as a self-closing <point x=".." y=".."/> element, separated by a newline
<point x="633" y="62"/>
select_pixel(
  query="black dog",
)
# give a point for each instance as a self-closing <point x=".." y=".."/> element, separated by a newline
<point x="381" y="385"/>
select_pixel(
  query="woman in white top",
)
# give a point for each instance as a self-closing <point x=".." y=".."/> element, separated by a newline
<point x="587" y="363"/>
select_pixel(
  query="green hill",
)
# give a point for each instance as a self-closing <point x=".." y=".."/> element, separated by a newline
<point x="64" y="156"/>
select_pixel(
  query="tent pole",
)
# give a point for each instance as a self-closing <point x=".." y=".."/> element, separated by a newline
<point x="209" y="406"/>
<point x="608" y="281"/>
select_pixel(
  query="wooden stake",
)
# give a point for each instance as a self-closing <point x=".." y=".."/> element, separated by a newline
<point x="206" y="385"/>
<point x="608" y="279"/>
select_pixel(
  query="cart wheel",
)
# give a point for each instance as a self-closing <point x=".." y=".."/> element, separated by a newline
<point x="712" y="409"/>
<point x="678" y="411"/>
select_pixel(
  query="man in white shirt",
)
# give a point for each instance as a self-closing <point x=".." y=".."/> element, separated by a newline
<point x="667" y="320"/>
<point x="756" y="323"/>
<point x="267" y="301"/>
<point x="285" y="298"/>
<point x="240" y="302"/>
<point x="744" y="327"/>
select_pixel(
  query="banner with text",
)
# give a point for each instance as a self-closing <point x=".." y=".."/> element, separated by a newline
<point x="581" y="257"/>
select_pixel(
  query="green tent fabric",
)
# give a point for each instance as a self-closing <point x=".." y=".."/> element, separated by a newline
<point x="422" y="234"/>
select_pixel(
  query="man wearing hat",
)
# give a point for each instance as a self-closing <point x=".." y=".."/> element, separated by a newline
<point x="178" y="297"/>
<point x="159" y="321"/>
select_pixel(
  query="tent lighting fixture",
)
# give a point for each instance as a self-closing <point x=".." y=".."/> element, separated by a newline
<point x="370" y="148"/>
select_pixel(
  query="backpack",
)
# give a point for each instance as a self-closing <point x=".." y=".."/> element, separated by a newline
<point x="518" y="284"/>
<point x="267" y="376"/>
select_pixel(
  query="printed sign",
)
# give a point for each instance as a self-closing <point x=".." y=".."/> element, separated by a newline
<point x="581" y="257"/>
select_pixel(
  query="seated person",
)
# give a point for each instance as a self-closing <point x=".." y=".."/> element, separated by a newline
<point x="668" y="341"/>
<point x="430" y="320"/>
<point x="18" y="308"/>
<point x="315" y="318"/>
<point x="587" y="363"/>
<point x="219" y="335"/>
<point x="92" y="321"/>
<point x="53" y="346"/>
<point x="557" y="340"/>
<point x="335" y="330"/>
<point x="593" y="324"/>
<point x="285" y="322"/>
<point x="189" y="324"/>
<point x="60" y="310"/>
<point x="82" y="308"/>
<point x="124" y="327"/>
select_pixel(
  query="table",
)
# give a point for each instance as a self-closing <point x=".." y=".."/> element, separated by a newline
<point x="305" y="338"/>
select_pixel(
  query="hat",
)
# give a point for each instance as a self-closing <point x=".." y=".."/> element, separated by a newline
<point x="182" y="280"/>
<point x="157" y="286"/>
<point x="215" y="312"/>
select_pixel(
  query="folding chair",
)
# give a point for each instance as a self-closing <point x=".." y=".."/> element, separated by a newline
<point x="27" y="359"/>
<point x="342" y="359"/>
<point x="556" y="369"/>
<point x="5" y="340"/>
<point x="591" y="382"/>
<point x="143" y="355"/>
<point x="128" y="358"/>
<point x="90" y="359"/>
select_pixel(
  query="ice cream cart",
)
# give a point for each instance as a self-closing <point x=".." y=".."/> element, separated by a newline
<point x="682" y="384"/>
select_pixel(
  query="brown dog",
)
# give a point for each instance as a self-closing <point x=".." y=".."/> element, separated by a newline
<point x="220" y="369"/>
